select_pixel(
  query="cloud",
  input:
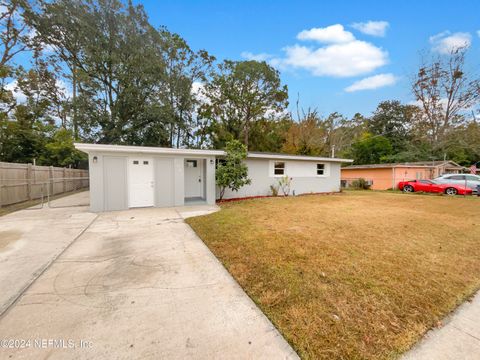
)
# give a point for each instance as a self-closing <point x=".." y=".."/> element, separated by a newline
<point x="372" y="82"/>
<point x="198" y="91"/>
<point x="32" y="33"/>
<point x="337" y="60"/>
<point x="374" y="28"/>
<point x="333" y="34"/>
<point x="257" y="57"/>
<point x="341" y="55"/>
<point x="478" y="33"/>
<point x="446" y="42"/>
<point x="18" y="95"/>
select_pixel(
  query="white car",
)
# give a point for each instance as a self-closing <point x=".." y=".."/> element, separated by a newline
<point x="472" y="181"/>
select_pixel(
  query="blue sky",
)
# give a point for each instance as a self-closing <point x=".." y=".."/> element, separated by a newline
<point x="320" y="64"/>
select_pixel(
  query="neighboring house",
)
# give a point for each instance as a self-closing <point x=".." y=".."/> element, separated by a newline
<point x="387" y="176"/>
<point x="123" y="177"/>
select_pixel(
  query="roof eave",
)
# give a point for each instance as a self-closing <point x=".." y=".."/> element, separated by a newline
<point x="88" y="148"/>
<point x="296" y="157"/>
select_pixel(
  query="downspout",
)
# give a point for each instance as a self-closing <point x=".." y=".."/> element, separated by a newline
<point x="393" y="177"/>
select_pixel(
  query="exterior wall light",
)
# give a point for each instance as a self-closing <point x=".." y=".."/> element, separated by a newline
<point x="211" y="161"/>
<point x="95" y="159"/>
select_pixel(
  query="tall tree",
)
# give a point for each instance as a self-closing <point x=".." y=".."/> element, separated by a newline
<point x="394" y="121"/>
<point x="14" y="39"/>
<point x="371" y="149"/>
<point x="240" y="94"/>
<point x="111" y="52"/>
<point x="444" y="90"/>
<point x="183" y="68"/>
<point x="306" y="137"/>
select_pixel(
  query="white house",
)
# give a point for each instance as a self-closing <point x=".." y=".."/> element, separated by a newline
<point x="123" y="177"/>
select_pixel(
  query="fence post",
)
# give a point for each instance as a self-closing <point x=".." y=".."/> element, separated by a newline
<point x="29" y="181"/>
<point x="74" y="181"/>
<point x="51" y="182"/>
<point x="64" y="180"/>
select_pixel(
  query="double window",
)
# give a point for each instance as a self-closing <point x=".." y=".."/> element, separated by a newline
<point x="279" y="168"/>
<point x="137" y="162"/>
<point x="320" y="169"/>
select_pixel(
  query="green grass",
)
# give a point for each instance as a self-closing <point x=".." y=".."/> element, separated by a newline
<point x="359" y="275"/>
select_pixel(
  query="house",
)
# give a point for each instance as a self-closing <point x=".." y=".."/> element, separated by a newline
<point x="387" y="176"/>
<point x="123" y="177"/>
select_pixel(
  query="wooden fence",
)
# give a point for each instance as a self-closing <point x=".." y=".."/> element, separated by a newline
<point x="23" y="182"/>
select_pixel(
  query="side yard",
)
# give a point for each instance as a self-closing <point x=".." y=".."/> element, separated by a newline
<point x="356" y="275"/>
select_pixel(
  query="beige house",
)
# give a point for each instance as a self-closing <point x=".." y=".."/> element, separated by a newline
<point x="387" y="176"/>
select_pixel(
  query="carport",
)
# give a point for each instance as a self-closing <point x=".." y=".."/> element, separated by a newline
<point x="123" y="177"/>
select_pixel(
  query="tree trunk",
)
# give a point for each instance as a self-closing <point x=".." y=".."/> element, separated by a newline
<point x="74" y="102"/>
<point x="246" y="133"/>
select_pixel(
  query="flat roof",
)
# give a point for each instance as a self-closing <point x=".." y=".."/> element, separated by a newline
<point x="199" y="152"/>
<point x="419" y="164"/>
<point x="266" y="155"/>
<point x="145" y="149"/>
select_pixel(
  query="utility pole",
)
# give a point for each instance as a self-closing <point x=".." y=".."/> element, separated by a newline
<point x="333" y="151"/>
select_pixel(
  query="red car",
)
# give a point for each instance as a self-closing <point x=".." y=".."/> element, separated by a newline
<point x="433" y="187"/>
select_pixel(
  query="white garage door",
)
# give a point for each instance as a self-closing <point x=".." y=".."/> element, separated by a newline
<point x="140" y="182"/>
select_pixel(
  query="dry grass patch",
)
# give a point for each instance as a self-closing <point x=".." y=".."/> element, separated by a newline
<point x="351" y="276"/>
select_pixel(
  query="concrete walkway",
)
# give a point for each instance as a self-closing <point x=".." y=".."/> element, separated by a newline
<point x="31" y="239"/>
<point x="458" y="339"/>
<point x="131" y="284"/>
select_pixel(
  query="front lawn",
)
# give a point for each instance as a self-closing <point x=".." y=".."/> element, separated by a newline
<point x="355" y="275"/>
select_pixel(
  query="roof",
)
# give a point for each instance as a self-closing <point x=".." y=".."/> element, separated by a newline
<point x="145" y="149"/>
<point x="197" y="152"/>
<point x="421" y="164"/>
<point x="279" y="156"/>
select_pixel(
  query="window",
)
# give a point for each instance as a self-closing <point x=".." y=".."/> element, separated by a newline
<point x="456" y="177"/>
<point x="279" y="168"/>
<point x="135" y="162"/>
<point x="191" y="163"/>
<point x="145" y="162"/>
<point x="427" y="182"/>
<point x="473" y="178"/>
<point x="320" y="169"/>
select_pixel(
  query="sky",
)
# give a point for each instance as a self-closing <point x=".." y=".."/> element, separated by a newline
<point x="344" y="56"/>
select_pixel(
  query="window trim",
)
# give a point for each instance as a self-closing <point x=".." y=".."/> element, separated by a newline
<point x="284" y="168"/>
<point x="324" y="170"/>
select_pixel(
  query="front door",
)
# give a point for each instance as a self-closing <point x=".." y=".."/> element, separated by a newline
<point x="193" y="178"/>
<point x="140" y="180"/>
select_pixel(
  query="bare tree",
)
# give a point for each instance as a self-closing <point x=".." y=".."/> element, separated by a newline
<point x="14" y="39"/>
<point x="444" y="91"/>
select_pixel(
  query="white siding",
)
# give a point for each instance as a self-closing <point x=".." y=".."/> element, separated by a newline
<point x="97" y="179"/>
<point x="303" y="173"/>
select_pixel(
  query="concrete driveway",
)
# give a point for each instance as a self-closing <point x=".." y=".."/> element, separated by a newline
<point x="129" y="284"/>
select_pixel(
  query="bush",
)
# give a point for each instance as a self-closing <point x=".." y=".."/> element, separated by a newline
<point x="233" y="172"/>
<point x="284" y="183"/>
<point x="274" y="190"/>
<point x="361" y="184"/>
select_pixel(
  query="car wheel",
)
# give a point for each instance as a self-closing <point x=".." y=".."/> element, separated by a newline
<point x="451" y="191"/>
<point x="408" y="189"/>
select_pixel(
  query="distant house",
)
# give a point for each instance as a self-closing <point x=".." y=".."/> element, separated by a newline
<point x="387" y="176"/>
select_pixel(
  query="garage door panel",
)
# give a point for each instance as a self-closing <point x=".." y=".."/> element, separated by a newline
<point x="164" y="182"/>
<point x="115" y="182"/>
